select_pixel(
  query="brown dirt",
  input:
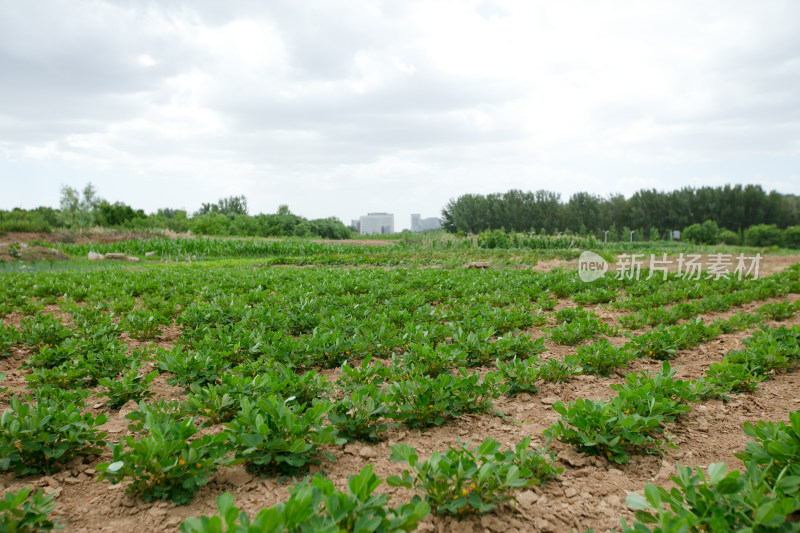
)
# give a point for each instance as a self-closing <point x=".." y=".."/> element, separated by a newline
<point x="28" y="253"/>
<point x="589" y="494"/>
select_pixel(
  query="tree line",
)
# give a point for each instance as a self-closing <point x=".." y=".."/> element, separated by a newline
<point x="650" y="212"/>
<point x="228" y="216"/>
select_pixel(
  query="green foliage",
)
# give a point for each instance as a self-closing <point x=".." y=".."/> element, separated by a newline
<point x="167" y="463"/>
<point x="422" y="401"/>
<point x="763" y="235"/>
<point x="660" y="386"/>
<point x="314" y="506"/>
<point x="726" y="236"/>
<point x="705" y="233"/>
<point x="776" y="448"/>
<point x="23" y="512"/>
<point x="609" y="429"/>
<point x="43" y="330"/>
<point x="358" y="416"/>
<point x="727" y="377"/>
<point x="40" y="438"/>
<point x="142" y="325"/>
<point x="779" y="310"/>
<point x="558" y="370"/>
<point x="367" y="373"/>
<point x="519" y="375"/>
<point x="663" y="342"/>
<point x="193" y="368"/>
<point x="716" y="501"/>
<point x="600" y="358"/>
<point x="275" y="436"/>
<point x="130" y="386"/>
<point x="9" y="337"/>
<point x="581" y="328"/>
<point x="479" y="480"/>
<point x="422" y="358"/>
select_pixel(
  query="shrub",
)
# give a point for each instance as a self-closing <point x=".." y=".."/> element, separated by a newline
<point x="729" y="237"/>
<point x="763" y="235"/>
<point x="705" y="233"/>
<point x="791" y="237"/>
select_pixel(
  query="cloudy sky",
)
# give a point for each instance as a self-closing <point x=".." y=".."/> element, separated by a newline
<point x="339" y="107"/>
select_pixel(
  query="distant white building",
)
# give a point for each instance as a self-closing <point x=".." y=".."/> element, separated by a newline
<point x="380" y="223"/>
<point x="421" y="224"/>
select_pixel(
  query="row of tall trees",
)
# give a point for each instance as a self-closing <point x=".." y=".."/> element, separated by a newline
<point x="734" y="207"/>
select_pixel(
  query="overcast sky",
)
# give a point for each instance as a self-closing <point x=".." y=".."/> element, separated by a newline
<point x="340" y="107"/>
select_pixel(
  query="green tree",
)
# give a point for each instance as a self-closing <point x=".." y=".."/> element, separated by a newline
<point x="77" y="212"/>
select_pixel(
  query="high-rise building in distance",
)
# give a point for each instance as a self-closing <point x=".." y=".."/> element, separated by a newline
<point x="372" y="223"/>
<point x="421" y="224"/>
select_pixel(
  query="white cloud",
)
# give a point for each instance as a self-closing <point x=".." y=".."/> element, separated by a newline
<point x="339" y="106"/>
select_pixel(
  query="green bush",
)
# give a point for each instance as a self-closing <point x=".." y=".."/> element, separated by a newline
<point x="705" y="233"/>
<point x="763" y="235"/>
<point x="728" y="237"/>
<point x="791" y="237"/>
